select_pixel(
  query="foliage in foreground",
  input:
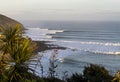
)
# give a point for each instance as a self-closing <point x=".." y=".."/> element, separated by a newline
<point x="116" y="77"/>
<point x="92" y="73"/>
<point x="95" y="73"/>
<point x="15" y="52"/>
<point x="77" y="78"/>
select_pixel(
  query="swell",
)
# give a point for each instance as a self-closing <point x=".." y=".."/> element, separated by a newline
<point x="92" y="47"/>
<point x="39" y="34"/>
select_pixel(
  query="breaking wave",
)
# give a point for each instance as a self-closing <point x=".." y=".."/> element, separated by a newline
<point x="41" y="34"/>
<point x="92" y="47"/>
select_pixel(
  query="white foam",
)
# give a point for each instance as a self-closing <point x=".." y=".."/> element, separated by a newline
<point x="94" y="47"/>
<point x="94" y="43"/>
<point x="40" y="34"/>
<point x="90" y="46"/>
<point x="110" y="53"/>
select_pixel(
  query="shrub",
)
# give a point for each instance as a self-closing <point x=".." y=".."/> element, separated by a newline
<point x="15" y="52"/>
<point x="76" y="78"/>
<point x="52" y="80"/>
<point x="95" y="73"/>
<point x="116" y="77"/>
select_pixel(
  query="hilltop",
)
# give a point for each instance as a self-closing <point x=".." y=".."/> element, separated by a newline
<point x="8" y="22"/>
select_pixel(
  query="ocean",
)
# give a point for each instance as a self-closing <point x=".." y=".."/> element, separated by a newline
<point x="87" y="42"/>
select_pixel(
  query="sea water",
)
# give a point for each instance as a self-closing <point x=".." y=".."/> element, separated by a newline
<point x="96" y="42"/>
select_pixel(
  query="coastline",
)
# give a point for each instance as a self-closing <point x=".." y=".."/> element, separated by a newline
<point x="43" y="46"/>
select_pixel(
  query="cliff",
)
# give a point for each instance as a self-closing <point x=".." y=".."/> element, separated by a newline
<point x="8" y="22"/>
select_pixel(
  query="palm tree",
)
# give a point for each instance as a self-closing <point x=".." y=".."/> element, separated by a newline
<point x="15" y="51"/>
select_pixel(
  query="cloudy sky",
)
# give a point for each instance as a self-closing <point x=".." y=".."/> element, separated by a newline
<point x="61" y="9"/>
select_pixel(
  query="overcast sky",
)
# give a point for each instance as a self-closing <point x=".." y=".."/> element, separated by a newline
<point x="61" y="9"/>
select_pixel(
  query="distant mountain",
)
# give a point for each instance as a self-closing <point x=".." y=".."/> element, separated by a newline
<point x="8" y="22"/>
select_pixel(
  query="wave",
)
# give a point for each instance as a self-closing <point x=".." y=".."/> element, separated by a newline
<point x="88" y="46"/>
<point x="92" y="47"/>
<point x="41" y="34"/>
<point x="110" y="53"/>
<point x="94" y="43"/>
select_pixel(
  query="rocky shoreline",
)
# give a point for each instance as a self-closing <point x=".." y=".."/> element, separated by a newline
<point x="42" y="46"/>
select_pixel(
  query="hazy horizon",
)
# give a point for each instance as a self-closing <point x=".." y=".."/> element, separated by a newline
<point x="67" y="10"/>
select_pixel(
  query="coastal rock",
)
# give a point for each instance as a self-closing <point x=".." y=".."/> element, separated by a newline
<point x="42" y="46"/>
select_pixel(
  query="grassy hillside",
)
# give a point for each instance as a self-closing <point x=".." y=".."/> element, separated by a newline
<point x="8" y="22"/>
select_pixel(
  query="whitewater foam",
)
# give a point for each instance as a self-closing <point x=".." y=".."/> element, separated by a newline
<point x="41" y="34"/>
<point x="93" y="43"/>
<point x="111" y="53"/>
<point x="93" y="47"/>
<point x="88" y="46"/>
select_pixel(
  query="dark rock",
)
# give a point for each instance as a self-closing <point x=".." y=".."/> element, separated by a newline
<point x="42" y="46"/>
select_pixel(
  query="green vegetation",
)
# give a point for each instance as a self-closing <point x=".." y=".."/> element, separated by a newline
<point x="97" y="74"/>
<point x="116" y="77"/>
<point x="17" y="51"/>
<point x="92" y="73"/>
<point x="77" y="78"/>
